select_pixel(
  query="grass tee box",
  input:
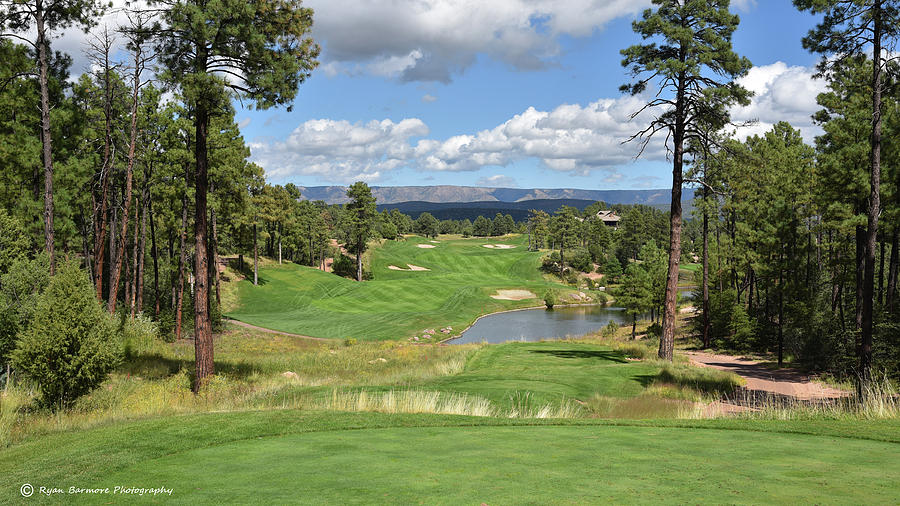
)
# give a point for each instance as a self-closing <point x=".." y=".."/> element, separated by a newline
<point x="455" y="289"/>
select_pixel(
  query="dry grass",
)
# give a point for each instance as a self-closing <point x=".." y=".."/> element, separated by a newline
<point x="419" y="401"/>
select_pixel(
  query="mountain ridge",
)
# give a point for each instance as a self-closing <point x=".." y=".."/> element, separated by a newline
<point x="464" y="194"/>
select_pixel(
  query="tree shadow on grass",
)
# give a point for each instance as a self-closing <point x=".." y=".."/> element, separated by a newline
<point x="245" y="270"/>
<point x="156" y="366"/>
<point x="612" y="356"/>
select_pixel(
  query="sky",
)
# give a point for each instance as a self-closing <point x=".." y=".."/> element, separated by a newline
<point x="508" y="93"/>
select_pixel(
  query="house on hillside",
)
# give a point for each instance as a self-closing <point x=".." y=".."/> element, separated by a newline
<point x="610" y="218"/>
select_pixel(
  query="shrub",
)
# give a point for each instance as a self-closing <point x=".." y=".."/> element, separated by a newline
<point x="19" y="291"/>
<point x="551" y="298"/>
<point x="610" y="329"/>
<point x="69" y="348"/>
<point x="13" y="240"/>
<point x="166" y="321"/>
<point x="345" y="266"/>
<point x="580" y="260"/>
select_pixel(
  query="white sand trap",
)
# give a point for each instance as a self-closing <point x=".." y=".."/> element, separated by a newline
<point x="436" y="242"/>
<point x="411" y="268"/>
<point x="498" y="246"/>
<point x="513" y="295"/>
<point x="426" y="246"/>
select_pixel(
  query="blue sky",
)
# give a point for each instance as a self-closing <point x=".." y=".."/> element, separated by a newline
<point x="426" y="98"/>
<point x="499" y="93"/>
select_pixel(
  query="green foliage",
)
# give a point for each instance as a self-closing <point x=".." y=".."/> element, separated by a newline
<point x="482" y="227"/>
<point x="635" y="293"/>
<point x="580" y="260"/>
<point x="345" y="267"/>
<point x="551" y="298"/>
<point x="612" y="269"/>
<point x="20" y="289"/>
<point x="389" y="230"/>
<point x="13" y="240"/>
<point x="427" y="225"/>
<point x="70" y="346"/>
<point x="730" y="326"/>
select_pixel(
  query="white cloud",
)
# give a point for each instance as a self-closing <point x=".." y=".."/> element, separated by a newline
<point x="340" y="149"/>
<point x="782" y="93"/>
<point x="431" y="40"/>
<point x="244" y="123"/>
<point x="575" y="139"/>
<point x="570" y="138"/>
<point x="429" y="98"/>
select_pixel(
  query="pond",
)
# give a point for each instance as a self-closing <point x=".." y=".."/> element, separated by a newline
<point x="537" y="324"/>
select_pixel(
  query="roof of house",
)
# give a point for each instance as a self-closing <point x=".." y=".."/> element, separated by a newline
<point x="608" y="216"/>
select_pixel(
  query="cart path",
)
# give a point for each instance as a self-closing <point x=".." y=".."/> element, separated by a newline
<point x="789" y="382"/>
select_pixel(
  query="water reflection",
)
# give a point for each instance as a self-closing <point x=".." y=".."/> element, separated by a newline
<point x="537" y="324"/>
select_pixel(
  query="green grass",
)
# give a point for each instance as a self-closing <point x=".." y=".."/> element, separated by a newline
<point x="276" y="457"/>
<point x="395" y="304"/>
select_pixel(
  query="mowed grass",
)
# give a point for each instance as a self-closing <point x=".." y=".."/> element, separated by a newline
<point x="281" y="457"/>
<point x="395" y="304"/>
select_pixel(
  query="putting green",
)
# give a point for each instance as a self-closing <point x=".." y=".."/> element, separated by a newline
<point x="537" y="465"/>
<point x="457" y="287"/>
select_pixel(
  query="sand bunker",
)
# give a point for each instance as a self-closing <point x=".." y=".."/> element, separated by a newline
<point x="513" y="295"/>
<point x="498" y="246"/>
<point x="436" y="242"/>
<point x="426" y="246"/>
<point x="411" y="268"/>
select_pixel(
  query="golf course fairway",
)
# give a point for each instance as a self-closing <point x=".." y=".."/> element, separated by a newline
<point x="455" y="289"/>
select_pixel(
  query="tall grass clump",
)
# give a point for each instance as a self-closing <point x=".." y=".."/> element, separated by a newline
<point x="446" y="403"/>
<point x="705" y="380"/>
<point x="880" y="400"/>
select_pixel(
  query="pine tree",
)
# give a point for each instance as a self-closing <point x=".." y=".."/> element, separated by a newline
<point x="694" y="67"/>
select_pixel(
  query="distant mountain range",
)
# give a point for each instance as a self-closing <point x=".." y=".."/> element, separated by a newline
<point x="471" y="210"/>
<point x="456" y="194"/>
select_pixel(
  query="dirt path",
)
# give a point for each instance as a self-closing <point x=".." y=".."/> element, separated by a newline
<point x="787" y="382"/>
<point x="270" y="331"/>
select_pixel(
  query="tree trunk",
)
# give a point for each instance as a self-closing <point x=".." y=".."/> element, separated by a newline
<point x="667" y="340"/>
<point x="358" y="263"/>
<point x="781" y="315"/>
<point x="155" y="254"/>
<point x="892" y="274"/>
<point x="113" y="239"/>
<point x="145" y="198"/>
<point x="255" y="257"/>
<point x="103" y="217"/>
<point x="203" y="343"/>
<point x="215" y="255"/>
<point x="880" y="296"/>
<point x="705" y="335"/>
<point x="633" y="327"/>
<point x="134" y="263"/>
<point x="129" y="178"/>
<point x="182" y="260"/>
<point x="865" y="352"/>
<point x="562" y="261"/>
<point x="860" y="274"/>
<point x="43" y="47"/>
